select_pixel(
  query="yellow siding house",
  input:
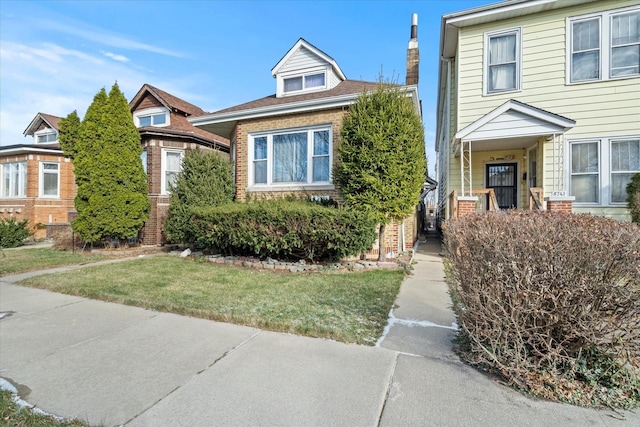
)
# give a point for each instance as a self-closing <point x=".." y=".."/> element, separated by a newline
<point x="539" y="106"/>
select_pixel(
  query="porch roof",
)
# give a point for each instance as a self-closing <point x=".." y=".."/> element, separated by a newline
<point x="514" y="124"/>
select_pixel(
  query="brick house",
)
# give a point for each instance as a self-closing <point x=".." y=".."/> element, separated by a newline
<point x="165" y="135"/>
<point x="36" y="180"/>
<point x="286" y="143"/>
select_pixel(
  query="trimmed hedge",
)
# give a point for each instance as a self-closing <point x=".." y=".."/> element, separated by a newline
<point x="551" y="302"/>
<point x="13" y="233"/>
<point x="284" y="230"/>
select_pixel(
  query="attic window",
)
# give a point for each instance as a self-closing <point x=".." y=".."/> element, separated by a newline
<point x="45" y="136"/>
<point x="151" y="117"/>
<point x="310" y="81"/>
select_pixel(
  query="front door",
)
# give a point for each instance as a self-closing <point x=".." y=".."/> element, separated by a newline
<point x="503" y="178"/>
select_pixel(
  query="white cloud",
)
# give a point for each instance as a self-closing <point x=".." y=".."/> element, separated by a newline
<point x="104" y="37"/>
<point x="115" y="56"/>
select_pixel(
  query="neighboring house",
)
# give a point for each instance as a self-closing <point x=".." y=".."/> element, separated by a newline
<point x="166" y="134"/>
<point x="286" y="143"/>
<point x="539" y="106"/>
<point x="36" y="180"/>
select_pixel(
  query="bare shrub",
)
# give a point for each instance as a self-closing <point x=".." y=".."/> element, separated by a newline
<point x="550" y="301"/>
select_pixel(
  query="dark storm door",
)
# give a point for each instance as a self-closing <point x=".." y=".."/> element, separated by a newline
<point x="503" y="178"/>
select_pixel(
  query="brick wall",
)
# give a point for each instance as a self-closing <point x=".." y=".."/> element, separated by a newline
<point x="560" y="206"/>
<point x="40" y="210"/>
<point x="244" y="128"/>
<point x="466" y="207"/>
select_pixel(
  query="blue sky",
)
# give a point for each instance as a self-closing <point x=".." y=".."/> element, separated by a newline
<point x="55" y="55"/>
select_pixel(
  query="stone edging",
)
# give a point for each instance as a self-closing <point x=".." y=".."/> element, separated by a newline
<point x="293" y="267"/>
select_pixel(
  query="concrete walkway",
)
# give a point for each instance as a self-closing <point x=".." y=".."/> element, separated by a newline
<point x="117" y="365"/>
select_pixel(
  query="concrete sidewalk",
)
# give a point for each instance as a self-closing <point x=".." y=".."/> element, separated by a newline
<point x="118" y="365"/>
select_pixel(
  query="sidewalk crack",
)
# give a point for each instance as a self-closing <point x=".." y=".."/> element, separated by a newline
<point x="225" y="354"/>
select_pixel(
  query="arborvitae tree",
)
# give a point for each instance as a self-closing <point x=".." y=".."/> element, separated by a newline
<point x="382" y="162"/>
<point x="112" y="196"/>
<point x="88" y="146"/>
<point x="206" y="179"/>
<point x="68" y="136"/>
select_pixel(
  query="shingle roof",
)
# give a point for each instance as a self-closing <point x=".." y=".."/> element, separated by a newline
<point x="180" y="109"/>
<point x="347" y="87"/>
<point x="174" y="102"/>
<point x="51" y="120"/>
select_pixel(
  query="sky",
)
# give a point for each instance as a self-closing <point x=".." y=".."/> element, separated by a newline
<point x="56" y="55"/>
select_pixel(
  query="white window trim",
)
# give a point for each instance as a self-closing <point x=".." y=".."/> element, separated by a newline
<point x="302" y="73"/>
<point x="45" y="131"/>
<point x="485" y="62"/>
<point x="22" y="186"/>
<point x="605" y="44"/>
<point x="41" y="181"/>
<point x="163" y="168"/>
<point x="151" y="112"/>
<point x="270" y="185"/>
<point x="604" y="171"/>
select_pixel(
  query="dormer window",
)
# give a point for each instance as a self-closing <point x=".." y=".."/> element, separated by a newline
<point x="310" y="81"/>
<point x="45" y="136"/>
<point x="151" y="117"/>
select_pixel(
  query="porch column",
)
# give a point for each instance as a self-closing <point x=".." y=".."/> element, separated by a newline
<point x="560" y="203"/>
<point x="467" y="205"/>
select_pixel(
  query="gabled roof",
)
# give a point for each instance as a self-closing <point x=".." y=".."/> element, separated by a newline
<point x="302" y="43"/>
<point x="514" y="123"/>
<point x="169" y="101"/>
<point x="347" y="87"/>
<point x="179" y="126"/>
<point x="344" y="94"/>
<point x="541" y="122"/>
<point x="51" y="122"/>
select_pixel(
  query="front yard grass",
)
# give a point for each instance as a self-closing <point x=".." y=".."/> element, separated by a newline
<point x="13" y="415"/>
<point x="14" y="261"/>
<point x="345" y="306"/>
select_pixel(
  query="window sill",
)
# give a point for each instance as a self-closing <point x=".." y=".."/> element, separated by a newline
<point x="295" y="187"/>
<point x="610" y="79"/>
<point x="502" y="92"/>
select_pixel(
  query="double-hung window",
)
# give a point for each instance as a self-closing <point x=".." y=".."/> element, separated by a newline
<point x="604" y="46"/>
<point x="585" y="172"/>
<point x="601" y="169"/>
<point x="171" y="167"/>
<point x="502" y="71"/>
<point x="292" y="157"/>
<point x="13" y="177"/>
<point x="625" y="162"/>
<point x="49" y="179"/>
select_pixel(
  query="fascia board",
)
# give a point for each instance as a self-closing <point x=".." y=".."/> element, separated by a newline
<point x="24" y="150"/>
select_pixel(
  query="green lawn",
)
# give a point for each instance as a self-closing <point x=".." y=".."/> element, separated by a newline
<point x="344" y="306"/>
<point x="14" y="261"/>
<point x="16" y="416"/>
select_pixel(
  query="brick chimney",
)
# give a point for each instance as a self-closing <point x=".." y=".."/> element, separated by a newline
<point x="413" y="54"/>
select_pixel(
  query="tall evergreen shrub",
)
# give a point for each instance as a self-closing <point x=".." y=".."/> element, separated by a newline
<point x="382" y="162"/>
<point x="112" y="199"/>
